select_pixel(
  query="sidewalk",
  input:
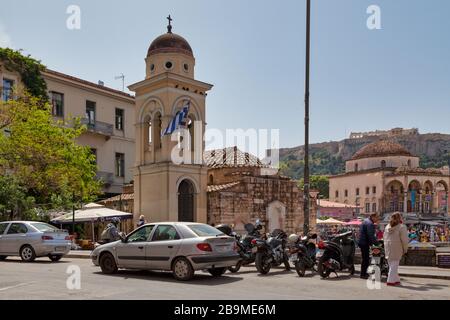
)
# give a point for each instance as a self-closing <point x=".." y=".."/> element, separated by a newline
<point x="420" y="272"/>
<point x="405" y="271"/>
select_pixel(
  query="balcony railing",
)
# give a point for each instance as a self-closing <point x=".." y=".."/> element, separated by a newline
<point x="106" y="177"/>
<point x="98" y="127"/>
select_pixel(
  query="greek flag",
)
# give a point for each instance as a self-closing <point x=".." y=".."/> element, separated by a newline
<point x="179" y="119"/>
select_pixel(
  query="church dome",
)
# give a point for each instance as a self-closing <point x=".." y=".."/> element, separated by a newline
<point x="381" y="148"/>
<point x="170" y="43"/>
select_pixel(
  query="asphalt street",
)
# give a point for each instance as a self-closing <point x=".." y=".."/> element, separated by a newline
<point x="43" y="279"/>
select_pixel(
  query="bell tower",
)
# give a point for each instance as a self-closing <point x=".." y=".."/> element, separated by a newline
<point x="165" y="188"/>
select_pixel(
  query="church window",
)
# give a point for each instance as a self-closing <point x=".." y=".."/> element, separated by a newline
<point x="356" y="167"/>
<point x="152" y="67"/>
<point x="383" y="164"/>
<point x="169" y="65"/>
<point x="156" y="134"/>
<point x="186" y="67"/>
<point x="346" y="193"/>
<point x="120" y="165"/>
<point x="374" y="207"/>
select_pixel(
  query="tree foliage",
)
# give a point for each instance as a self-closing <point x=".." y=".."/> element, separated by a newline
<point x="40" y="159"/>
<point x="320" y="183"/>
<point x="29" y="70"/>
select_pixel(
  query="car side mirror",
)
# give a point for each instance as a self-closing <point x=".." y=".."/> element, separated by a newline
<point x="123" y="238"/>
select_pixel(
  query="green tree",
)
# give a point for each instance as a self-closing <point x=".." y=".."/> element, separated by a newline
<point x="320" y="183"/>
<point x="42" y="155"/>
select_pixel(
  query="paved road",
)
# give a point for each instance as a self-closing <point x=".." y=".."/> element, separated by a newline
<point x="45" y="280"/>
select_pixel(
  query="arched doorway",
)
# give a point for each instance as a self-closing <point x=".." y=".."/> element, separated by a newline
<point x="186" y="199"/>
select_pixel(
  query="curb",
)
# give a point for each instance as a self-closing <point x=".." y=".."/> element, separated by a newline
<point x="78" y="256"/>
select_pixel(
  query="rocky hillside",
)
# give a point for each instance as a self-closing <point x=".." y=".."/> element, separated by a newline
<point x="329" y="157"/>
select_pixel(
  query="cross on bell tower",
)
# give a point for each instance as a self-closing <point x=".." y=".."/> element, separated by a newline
<point x="169" y="27"/>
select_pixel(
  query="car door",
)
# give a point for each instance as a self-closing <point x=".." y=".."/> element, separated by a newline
<point x="163" y="247"/>
<point x="131" y="253"/>
<point x="15" y="237"/>
<point x="3" y="227"/>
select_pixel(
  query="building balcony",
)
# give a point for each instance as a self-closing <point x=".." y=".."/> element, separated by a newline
<point x="98" y="127"/>
<point x="106" y="177"/>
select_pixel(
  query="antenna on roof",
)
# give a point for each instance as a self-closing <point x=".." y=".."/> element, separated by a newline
<point x="122" y="76"/>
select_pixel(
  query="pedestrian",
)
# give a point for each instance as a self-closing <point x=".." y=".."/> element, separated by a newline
<point x="366" y="239"/>
<point x="141" y="221"/>
<point x="396" y="245"/>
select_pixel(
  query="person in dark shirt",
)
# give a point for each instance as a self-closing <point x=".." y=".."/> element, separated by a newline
<point x="367" y="238"/>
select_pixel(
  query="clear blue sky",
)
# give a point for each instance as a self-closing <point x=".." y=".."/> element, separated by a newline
<point x="253" y="52"/>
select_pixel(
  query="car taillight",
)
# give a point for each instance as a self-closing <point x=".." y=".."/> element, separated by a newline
<point x="67" y="238"/>
<point x="321" y="245"/>
<point x="47" y="238"/>
<point x="204" y="247"/>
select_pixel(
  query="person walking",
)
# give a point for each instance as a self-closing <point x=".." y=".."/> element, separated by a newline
<point x="366" y="239"/>
<point x="395" y="245"/>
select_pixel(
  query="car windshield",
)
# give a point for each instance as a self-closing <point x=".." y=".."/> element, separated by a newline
<point x="203" y="230"/>
<point x="44" y="227"/>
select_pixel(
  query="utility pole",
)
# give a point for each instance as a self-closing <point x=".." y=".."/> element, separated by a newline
<point x="306" y="169"/>
<point x="73" y="212"/>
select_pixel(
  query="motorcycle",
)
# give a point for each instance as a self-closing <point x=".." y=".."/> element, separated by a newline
<point x="338" y="255"/>
<point x="101" y="242"/>
<point x="302" y="253"/>
<point x="378" y="259"/>
<point x="271" y="252"/>
<point x="244" y="244"/>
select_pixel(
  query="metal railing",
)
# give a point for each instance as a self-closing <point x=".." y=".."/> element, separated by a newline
<point x="99" y="127"/>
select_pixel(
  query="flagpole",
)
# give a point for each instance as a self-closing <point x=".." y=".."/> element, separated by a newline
<point x="306" y="160"/>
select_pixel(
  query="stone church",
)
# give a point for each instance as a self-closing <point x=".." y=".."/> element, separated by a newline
<point x="220" y="186"/>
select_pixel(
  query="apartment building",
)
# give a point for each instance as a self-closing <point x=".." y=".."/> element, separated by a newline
<point x="107" y="113"/>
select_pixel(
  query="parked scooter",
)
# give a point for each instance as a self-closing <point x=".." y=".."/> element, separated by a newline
<point x="378" y="259"/>
<point x="302" y="253"/>
<point x="244" y="244"/>
<point x="271" y="252"/>
<point x="338" y="255"/>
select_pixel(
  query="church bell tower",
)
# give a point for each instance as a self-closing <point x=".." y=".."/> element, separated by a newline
<point x="166" y="189"/>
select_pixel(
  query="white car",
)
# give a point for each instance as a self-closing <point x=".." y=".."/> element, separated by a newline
<point x="182" y="247"/>
<point x="31" y="239"/>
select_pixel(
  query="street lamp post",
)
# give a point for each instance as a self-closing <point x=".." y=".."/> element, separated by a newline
<point x="306" y="169"/>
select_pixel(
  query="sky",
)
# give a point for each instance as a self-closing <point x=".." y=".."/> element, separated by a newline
<point x="253" y="51"/>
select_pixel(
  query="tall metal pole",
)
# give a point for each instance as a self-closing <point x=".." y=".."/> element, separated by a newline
<point x="306" y="169"/>
<point x="73" y="212"/>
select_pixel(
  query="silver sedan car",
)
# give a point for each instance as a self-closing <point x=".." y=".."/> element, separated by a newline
<point x="180" y="247"/>
<point x="31" y="239"/>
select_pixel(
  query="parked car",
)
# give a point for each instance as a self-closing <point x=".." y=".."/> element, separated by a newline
<point x="180" y="247"/>
<point x="31" y="239"/>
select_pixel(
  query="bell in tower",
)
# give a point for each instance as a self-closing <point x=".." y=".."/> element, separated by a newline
<point x="166" y="189"/>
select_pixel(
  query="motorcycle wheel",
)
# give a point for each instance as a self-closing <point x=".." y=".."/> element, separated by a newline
<point x="323" y="271"/>
<point x="235" y="268"/>
<point x="261" y="263"/>
<point x="300" y="268"/>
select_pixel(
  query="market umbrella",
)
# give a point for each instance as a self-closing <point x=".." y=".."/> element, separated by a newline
<point x="354" y="223"/>
<point x="329" y="221"/>
<point x="92" y="213"/>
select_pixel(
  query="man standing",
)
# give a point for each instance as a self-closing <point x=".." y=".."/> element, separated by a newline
<point x="366" y="239"/>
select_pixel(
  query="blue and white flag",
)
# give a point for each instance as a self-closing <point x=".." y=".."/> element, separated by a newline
<point x="178" y="120"/>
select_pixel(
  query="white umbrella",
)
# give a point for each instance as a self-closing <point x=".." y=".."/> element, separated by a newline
<point x="329" y="221"/>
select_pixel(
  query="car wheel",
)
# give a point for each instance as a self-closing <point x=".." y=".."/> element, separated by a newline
<point x="55" y="257"/>
<point x="107" y="263"/>
<point x="182" y="269"/>
<point x="217" y="272"/>
<point x="27" y="253"/>
<point x="3" y="258"/>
